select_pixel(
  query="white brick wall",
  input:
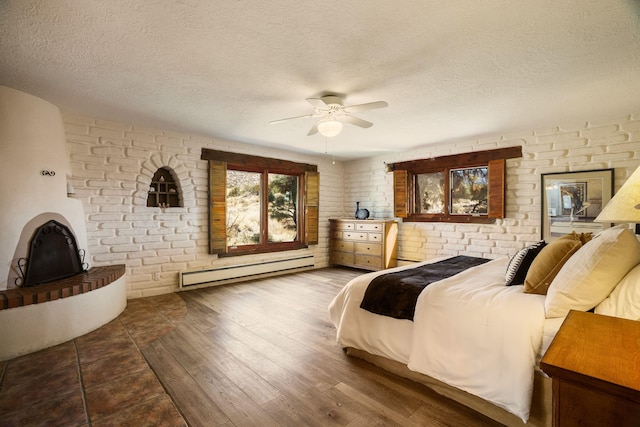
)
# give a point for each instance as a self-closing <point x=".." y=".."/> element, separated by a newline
<point x="112" y="167"/>
<point x="113" y="163"/>
<point x="608" y="144"/>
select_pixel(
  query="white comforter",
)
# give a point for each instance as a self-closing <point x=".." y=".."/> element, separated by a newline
<point x="470" y="331"/>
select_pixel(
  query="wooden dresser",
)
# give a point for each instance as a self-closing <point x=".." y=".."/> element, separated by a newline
<point x="594" y="363"/>
<point x="369" y="244"/>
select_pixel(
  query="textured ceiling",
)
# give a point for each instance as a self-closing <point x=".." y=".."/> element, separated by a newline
<point x="449" y="70"/>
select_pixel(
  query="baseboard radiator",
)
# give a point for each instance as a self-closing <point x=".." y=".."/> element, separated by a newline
<point x="238" y="273"/>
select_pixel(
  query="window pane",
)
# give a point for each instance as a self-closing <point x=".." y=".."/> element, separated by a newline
<point x="283" y="208"/>
<point x="469" y="189"/>
<point x="243" y="208"/>
<point x="429" y="193"/>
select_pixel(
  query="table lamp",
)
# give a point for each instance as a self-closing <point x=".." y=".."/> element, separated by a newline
<point x="624" y="206"/>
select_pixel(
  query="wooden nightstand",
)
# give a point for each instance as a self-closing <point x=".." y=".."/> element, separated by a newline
<point x="594" y="363"/>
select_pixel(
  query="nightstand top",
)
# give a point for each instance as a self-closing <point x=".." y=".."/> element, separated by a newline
<point x="591" y="347"/>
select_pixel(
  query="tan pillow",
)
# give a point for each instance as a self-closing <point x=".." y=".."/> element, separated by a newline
<point x="585" y="237"/>
<point x="593" y="272"/>
<point x="548" y="263"/>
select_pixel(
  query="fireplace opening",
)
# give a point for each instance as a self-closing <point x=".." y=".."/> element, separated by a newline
<point x="53" y="255"/>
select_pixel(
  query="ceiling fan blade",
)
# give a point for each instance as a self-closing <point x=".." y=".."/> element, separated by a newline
<point x="317" y="102"/>
<point x="313" y="130"/>
<point x="306" y="116"/>
<point x="356" y="121"/>
<point x="367" y="106"/>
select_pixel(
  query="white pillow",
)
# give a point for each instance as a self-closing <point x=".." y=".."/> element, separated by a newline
<point x="624" y="300"/>
<point x="590" y="275"/>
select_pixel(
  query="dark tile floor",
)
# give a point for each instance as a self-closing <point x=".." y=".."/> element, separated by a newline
<point x="98" y="379"/>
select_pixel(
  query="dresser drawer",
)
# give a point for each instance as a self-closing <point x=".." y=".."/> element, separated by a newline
<point x="342" y="245"/>
<point x="369" y="261"/>
<point x="368" y="249"/>
<point x="342" y="258"/>
<point x="374" y="237"/>
<point x="354" y="235"/>
<point x="345" y="226"/>
<point x="369" y="227"/>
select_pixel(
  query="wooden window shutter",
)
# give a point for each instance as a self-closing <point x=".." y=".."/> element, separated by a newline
<point x="311" y="208"/>
<point x="400" y="187"/>
<point x="497" y="177"/>
<point x="217" y="207"/>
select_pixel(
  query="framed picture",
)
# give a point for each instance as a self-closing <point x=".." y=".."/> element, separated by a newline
<point x="572" y="200"/>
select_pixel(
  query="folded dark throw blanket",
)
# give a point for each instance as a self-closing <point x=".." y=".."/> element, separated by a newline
<point x="396" y="294"/>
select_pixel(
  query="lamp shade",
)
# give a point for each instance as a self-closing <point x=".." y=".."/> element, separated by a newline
<point x="624" y="206"/>
<point x="329" y="127"/>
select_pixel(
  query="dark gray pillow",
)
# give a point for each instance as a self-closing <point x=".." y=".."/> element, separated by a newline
<point x="520" y="263"/>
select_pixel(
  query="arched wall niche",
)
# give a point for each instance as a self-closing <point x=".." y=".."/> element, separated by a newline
<point x="154" y="167"/>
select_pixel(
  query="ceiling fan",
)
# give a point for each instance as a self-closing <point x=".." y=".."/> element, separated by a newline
<point x="333" y="114"/>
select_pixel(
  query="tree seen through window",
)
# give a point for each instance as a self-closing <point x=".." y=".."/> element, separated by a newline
<point x="245" y="208"/>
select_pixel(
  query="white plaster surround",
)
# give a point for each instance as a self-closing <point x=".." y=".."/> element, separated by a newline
<point x="33" y="327"/>
<point x="32" y="139"/>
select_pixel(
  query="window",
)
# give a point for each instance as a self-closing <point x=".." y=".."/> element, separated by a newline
<point x="258" y="204"/>
<point x="429" y="193"/>
<point x="245" y="204"/>
<point x="283" y="208"/>
<point x="469" y="190"/>
<point x="243" y="208"/>
<point x="460" y="188"/>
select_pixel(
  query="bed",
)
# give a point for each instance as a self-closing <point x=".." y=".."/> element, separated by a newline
<point x="479" y="341"/>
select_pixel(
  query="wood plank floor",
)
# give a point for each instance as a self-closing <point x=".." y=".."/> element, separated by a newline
<point x="263" y="353"/>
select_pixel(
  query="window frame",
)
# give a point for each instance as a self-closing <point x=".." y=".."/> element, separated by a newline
<point x="308" y="200"/>
<point x="264" y="245"/>
<point x="405" y="175"/>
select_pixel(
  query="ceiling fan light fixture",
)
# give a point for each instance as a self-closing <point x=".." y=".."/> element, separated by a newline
<point x="330" y="127"/>
<point x="333" y="115"/>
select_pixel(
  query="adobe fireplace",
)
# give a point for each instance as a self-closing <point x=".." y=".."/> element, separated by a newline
<point x="56" y="296"/>
<point x="53" y="254"/>
<point x="47" y="294"/>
